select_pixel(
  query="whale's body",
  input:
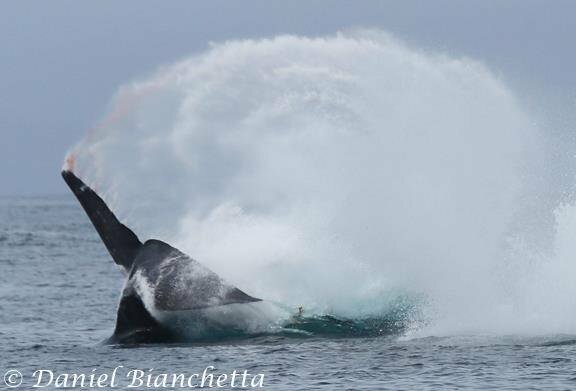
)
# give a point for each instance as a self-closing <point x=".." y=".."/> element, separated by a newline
<point x="163" y="285"/>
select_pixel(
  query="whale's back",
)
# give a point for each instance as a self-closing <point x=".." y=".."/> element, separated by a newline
<point x="178" y="282"/>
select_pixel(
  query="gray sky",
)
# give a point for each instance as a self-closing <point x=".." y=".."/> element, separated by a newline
<point x="61" y="61"/>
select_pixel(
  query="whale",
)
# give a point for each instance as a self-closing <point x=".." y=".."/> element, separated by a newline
<point x="164" y="287"/>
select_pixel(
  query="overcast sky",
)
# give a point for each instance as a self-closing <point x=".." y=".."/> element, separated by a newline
<point x="61" y="61"/>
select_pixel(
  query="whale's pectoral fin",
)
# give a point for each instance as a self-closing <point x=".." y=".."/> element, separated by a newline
<point x="121" y="242"/>
<point x="134" y="324"/>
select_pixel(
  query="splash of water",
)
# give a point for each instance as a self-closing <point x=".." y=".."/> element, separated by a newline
<point x="337" y="173"/>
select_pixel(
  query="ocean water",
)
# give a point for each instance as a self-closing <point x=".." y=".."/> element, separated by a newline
<point x="58" y="295"/>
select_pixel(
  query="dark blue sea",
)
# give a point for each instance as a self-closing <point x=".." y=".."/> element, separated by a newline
<point x="59" y="291"/>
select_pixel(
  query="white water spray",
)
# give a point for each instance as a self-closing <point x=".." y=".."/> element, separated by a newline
<point x="337" y="173"/>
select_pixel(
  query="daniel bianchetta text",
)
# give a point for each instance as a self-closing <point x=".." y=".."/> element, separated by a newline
<point x="121" y="377"/>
